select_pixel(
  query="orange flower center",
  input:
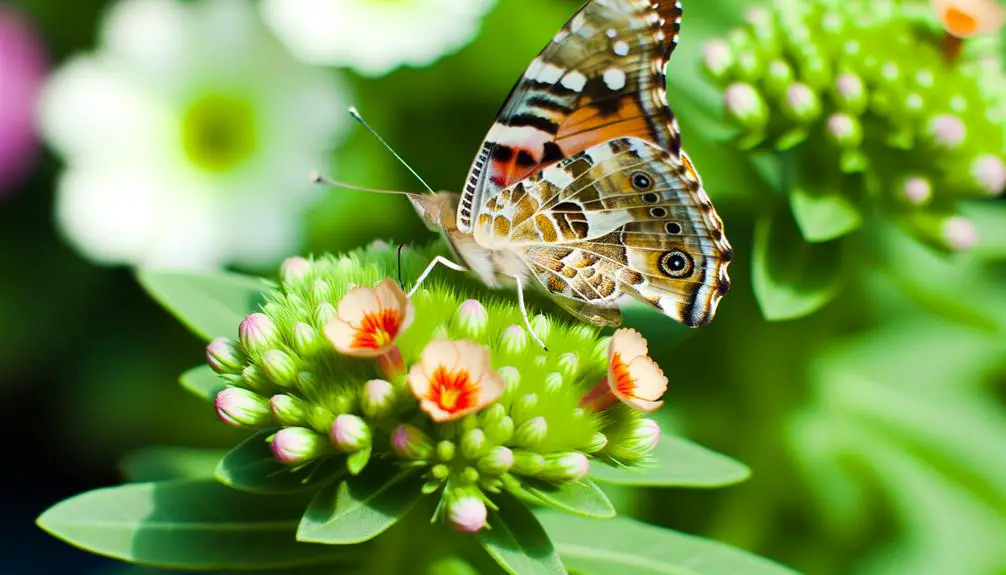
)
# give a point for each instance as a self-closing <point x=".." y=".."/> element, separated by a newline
<point x="624" y="383"/>
<point x="960" y="23"/>
<point x="453" y="391"/>
<point x="378" y="329"/>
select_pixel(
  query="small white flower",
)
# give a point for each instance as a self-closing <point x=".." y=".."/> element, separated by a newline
<point x="374" y="36"/>
<point x="187" y="136"/>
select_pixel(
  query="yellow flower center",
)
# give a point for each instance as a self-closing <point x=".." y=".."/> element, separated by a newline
<point x="449" y="398"/>
<point x="218" y="132"/>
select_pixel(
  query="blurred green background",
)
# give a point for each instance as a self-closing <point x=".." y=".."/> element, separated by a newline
<point x="875" y="427"/>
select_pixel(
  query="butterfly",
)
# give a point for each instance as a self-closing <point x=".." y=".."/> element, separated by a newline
<point x="581" y="187"/>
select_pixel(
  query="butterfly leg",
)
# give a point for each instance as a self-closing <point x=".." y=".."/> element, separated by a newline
<point x="523" y="312"/>
<point x="429" y="269"/>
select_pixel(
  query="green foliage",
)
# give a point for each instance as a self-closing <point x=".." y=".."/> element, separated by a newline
<point x="251" y="466"/>
<point x="581" y="497"/>
<point x="163" y="463"/>
<point x="676" y="462"/>
<point x="518" y="542"/>
<point x="202" y="382"/>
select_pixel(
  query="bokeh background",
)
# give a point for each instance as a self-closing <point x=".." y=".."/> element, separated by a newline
<point x="174" y="133"/>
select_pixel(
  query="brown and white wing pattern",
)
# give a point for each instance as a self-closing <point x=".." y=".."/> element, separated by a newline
<point x="600" y="78"/>
<point x="624" y="218"/>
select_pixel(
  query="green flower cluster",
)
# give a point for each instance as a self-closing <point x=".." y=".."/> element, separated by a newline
<point x="329" y="411"/>
<point x="863" y="96"/>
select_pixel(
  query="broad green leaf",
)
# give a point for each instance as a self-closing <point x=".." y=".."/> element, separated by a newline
<point x="823" y="213"/>
<point x="622" y="545"/>
<point x="361" y="507"/>
<point x="990" y="222"/>
<point x="578" y="497"/>
<point x="209" y="304"/>
<point x="252" y="467"/>
<point x="202" y="381"/>
<point x="678" y="463"/>
<point x="792" y="278"/>
<point x="162" y="463"/>
<point x="517" y="541"/>
<point x="188" y="525"/>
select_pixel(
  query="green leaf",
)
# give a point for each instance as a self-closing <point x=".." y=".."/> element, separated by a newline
<point x="357" y="461"/>
<point x="361" y="507"/>
<point x="577" y="497"/>
<point x="792" y="278"/>
<point x="823" y="213"/>
<point x="162" y="463"/>
<point x="624" y="545"/>
<point x="990" y="221"/>
<point x="678" y="463"/>
<point x="203" y="382"/>
<point x="517" y="541"/>
<point x="252" y="467"/>
<point x="188" y="525"/>
<point x="209" y="304"/>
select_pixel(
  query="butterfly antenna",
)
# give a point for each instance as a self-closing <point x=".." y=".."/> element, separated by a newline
<point x="356" y="116"/>
<point x="323" y="180"/>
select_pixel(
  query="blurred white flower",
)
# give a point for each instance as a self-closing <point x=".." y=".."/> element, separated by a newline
<point x="374" y="36"/>
<point x="188" y="136"/>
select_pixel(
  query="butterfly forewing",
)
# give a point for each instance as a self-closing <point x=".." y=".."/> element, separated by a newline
<point x="621" y="219"/>
<point x="600" y="78"/>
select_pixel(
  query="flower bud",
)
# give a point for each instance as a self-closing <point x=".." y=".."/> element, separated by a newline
<point x="306" y="339"/>
<point x="499" y="460"/>
<point x="514" y="340"/>
<point x="553" y="382"/>
<point x="644" y="436"/>
<point x="597" y="443"/>
<point x="916" y="191"/>
<point x="257" y="332"/>
<point x="224" y="356"/>
<point x="239" y="407"/>
<point x="253" y="378"/>
<point x="778" y="78"/>
<point x="472" y="318"/>
<point x="467" y="513"/>
<point x="321" y="291"/>
<point x="289" y="409"/>
<point x="850" y="93"/>
<point x="294" y="270"/>
<point x="440" y="471"/>
<point x="377" y="399"/>
<point x="947" y="131"/>
<point x="959" y="233"/>
<point x="469" y="475"/>
<point x="801" y="103"/>
<point x="279" y="367"/>
<point x="295" y="445"/>
<point x="350" y="433"/>
<point x="307" y="382"/>
<point x="600" y="352"/>
<point x="445" y="450"/>
<point x="493" y="415"/>
<point x="566" y="467"/>
<point x="569" y="364"/>
<point x="530" y="433"/>
<point x="745" y="106"/>
<point x="990" y="173"/>
<point x="527" y="463"/>
<point x="323" y="314"/>
<point x="718" y="58"/>
<point x="541" y="326"/>
<point x="473" y="442"/>
<point x="409" y="442"/>
<point x="441" y="332"/>
<point x="511" y="377"/>
<point x="501" y="431"/>
<point x="845" y="131"/>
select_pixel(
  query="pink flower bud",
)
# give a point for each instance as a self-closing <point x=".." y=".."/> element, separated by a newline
<point x="467" y="513"/>
<point x="239" y="407"/>
<point x="514" y="339"/>
<point x="295" y="445"/>
<point x="990" y="172"/>
<point x="472" y="317"/>
<point x="718" y="57"/>
<point x="378" y="397"/>
<point x="918" y="191"/>
<point x="947" y="130"/>
<point x="498" y="460"/>
<point x="409" y="442"/>
<point x="644" y="436"/>
<point x="350" y="433"/>
<point x="294" y="270"/>
<point x="224" y="357"/>
<point x="567" y="467"/>
<point x="257" y="332"/>
<point x="959" y="233"/>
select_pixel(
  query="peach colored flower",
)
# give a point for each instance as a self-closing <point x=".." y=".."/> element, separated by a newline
<point x="633" y="378"/>
<point x="453" y="379"/>
<point x="368" y="320"/>
<point x="966" y="18"/>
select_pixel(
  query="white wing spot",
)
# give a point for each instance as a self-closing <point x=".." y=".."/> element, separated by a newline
<point x="614" y="79"/>
<point x="533" y="69"/>
<point x="574" y="81"/>
<point x="611" y="33"/>
<point x="549" y="74"/>
<point x="621" y="48"/>
<point x="578" y="21"/>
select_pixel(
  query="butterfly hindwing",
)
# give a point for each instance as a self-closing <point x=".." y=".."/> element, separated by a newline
<point x="624" y="218"/>
<point x="601" y="77"/>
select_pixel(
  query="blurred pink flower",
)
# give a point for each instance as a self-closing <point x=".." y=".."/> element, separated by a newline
<point x="22" y="70"/>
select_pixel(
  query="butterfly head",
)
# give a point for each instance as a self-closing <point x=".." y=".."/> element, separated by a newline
<point x="436" y="210"/>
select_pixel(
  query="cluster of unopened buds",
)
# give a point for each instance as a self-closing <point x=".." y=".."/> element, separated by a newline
<point x="885" y="94"/>
<point x="454" y="389"/>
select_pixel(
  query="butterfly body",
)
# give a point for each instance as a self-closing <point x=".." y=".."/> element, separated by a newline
<point x="581" y="186"/>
